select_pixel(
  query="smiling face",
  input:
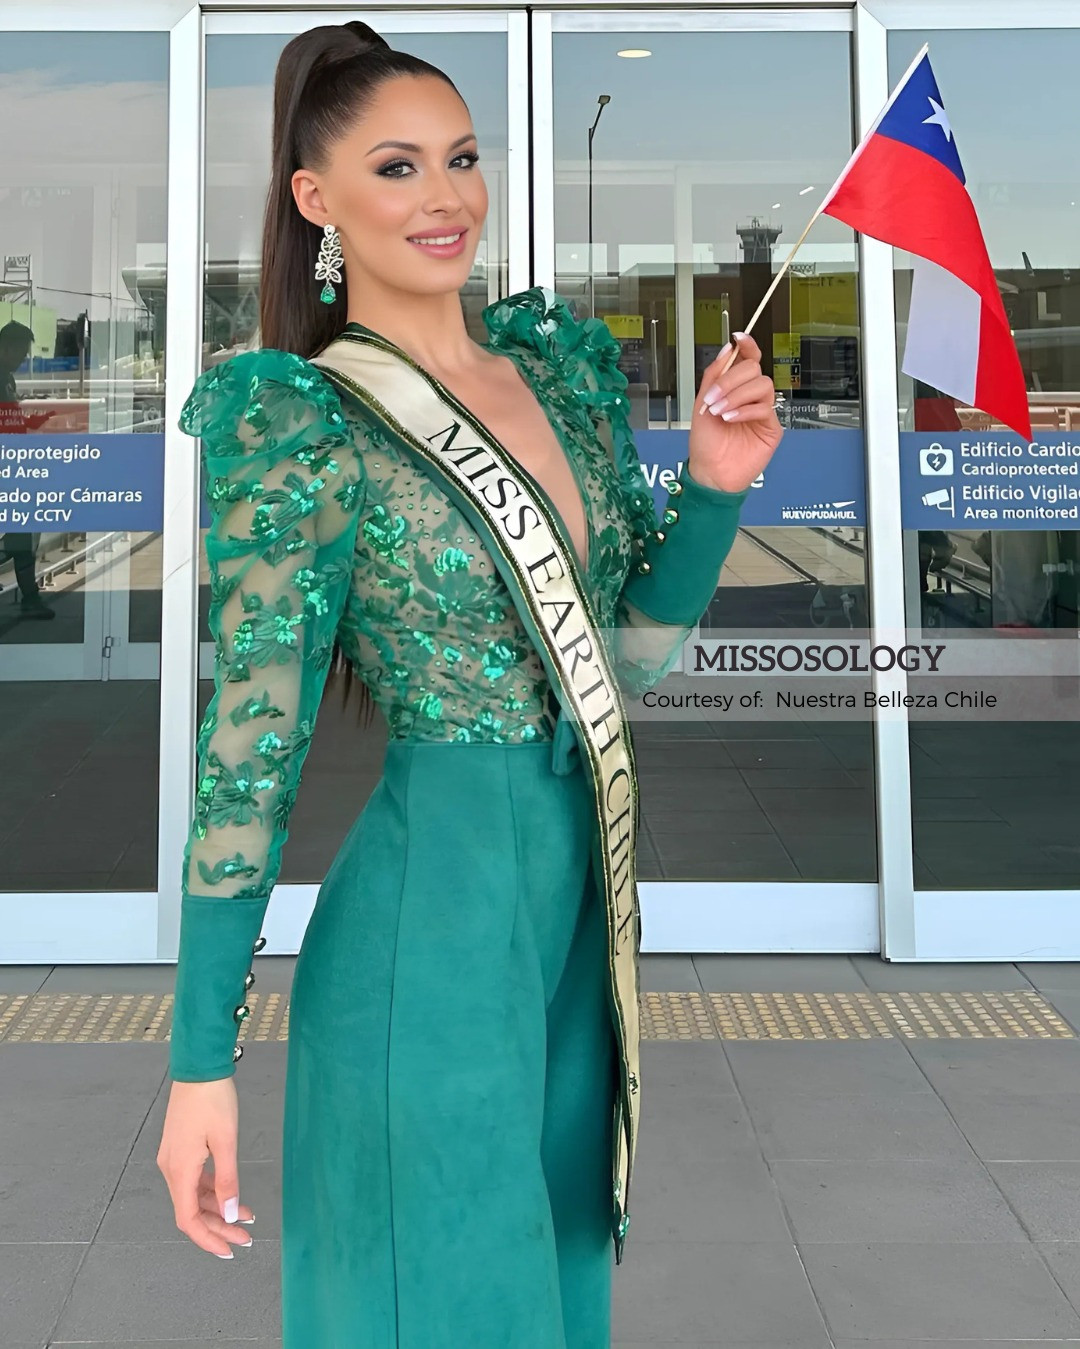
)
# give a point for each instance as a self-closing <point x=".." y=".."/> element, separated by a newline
<point x="407" y="167"/>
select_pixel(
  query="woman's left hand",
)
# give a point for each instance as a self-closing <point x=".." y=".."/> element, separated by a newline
<point x="729" y="448"/>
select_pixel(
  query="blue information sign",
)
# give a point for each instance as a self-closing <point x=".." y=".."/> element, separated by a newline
<point x="989" y="480"/>
<point x="86" y="481"/>
<point x="81" y="481"/>
<point x="814" y="478"/>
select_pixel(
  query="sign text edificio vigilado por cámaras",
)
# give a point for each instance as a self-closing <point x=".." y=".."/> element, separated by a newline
<point x="81" y="482"/>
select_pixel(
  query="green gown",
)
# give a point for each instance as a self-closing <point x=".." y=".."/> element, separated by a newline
<point x="452" y="1065"/>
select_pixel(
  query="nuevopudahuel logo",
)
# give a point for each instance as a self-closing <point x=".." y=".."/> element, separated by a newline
<point x="839" y="511"/>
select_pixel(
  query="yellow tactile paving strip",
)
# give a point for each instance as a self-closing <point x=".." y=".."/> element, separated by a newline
<point x="851" y="1016"/>
<point x="114" y="1018"/>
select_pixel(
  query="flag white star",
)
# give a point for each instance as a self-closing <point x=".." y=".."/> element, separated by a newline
<point x="939" y="117"/>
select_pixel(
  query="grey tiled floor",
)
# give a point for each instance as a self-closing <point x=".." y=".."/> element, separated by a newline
<point x="789" y="1195"/>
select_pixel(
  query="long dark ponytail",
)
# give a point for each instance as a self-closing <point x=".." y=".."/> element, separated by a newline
<point x="326" y="78"/>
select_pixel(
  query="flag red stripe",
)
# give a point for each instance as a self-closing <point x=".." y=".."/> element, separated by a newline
<point x="906" y="198"/>
<point x="1000" y="389"/>
<point x="896" y="193"/>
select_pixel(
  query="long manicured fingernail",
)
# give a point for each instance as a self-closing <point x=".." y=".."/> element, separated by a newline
<point x="723" y="350"/>
<point x="223" y="1257"/>
<point x="231" y="1209"/>
<point x="739" y="336"/>
<point x="730" y="416"/>
<point x="713" y="396"/>
<point x="246" y="1244"/>
<point x="246" y="1220"/>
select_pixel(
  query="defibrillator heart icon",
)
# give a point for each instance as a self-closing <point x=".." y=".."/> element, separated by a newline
<point x="936" y="460"/>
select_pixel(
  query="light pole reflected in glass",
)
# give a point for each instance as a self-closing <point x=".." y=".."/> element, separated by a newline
<point x="604" y="98"/>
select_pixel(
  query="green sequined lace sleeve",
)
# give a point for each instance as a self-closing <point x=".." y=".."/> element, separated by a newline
<point x="284" y="482"/>
<point x="284" y="479"/>
<point x="676" y="555"/>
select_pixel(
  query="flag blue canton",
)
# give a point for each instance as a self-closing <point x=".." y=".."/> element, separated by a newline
<point x="917" y="118"/>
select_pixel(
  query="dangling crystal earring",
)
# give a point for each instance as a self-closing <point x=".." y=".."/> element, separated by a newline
<point x="329" y="263"/>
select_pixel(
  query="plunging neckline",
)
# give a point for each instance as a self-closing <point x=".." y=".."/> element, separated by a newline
<point x="590" y="541"/>
<point x="583" y="565"/>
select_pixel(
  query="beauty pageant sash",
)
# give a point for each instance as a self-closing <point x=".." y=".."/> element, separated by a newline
<point x="528" y="544"/>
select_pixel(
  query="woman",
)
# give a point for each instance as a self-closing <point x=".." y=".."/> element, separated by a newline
<point x="470" y="525"/>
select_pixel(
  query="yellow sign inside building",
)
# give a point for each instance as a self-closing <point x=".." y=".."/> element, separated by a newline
<point x="787" y="354"/>
<point x="708" y="323"/>
<point x="625" y="326"/>
<point x="829" y="300"/>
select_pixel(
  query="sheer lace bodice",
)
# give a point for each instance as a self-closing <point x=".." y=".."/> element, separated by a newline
<point x="324" y="526"/>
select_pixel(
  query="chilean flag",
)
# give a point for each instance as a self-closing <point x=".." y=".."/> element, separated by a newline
<point x="904" y="185"/>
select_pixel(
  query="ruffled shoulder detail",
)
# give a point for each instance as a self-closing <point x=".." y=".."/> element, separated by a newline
<point x="583" y="379"/>
<point x="265" y="403"/>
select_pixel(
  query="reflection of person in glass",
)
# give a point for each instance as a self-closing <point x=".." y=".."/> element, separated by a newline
<point x="16" y="340"/>
<point x="936" y="551"/>
<point x="470" y="524"/>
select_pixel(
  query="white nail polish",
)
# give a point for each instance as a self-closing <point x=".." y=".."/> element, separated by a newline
<point x="723" y="350"/>
<point x="246" y="1220"/>
<point x="739" y="337"/>
<point x="231" y="1210"/>
<point x="711" y="395"/>
<point x="246" y="1244"/>
<point x="730" y="416"/>
<point x="223" y="1257"/>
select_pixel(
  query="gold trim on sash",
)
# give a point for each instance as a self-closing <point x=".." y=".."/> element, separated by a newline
<point x="543" y="574"/>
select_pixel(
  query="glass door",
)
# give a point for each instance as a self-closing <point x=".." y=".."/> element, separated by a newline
<point x="82" y="216"/>
<point x="988" y="792"/>
<point x="677" y="160"/>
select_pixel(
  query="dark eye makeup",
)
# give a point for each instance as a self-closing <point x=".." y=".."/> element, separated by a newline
<point x="470" y="157"/>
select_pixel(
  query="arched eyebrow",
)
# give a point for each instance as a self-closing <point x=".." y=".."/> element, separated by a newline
<point x="416" y="149"/>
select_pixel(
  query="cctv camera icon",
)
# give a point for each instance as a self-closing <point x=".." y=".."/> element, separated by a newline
<point x="942" y="499"/>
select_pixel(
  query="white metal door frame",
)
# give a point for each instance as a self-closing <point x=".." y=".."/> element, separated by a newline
<point x="924" y="924"/>
<point x="87" y="926"/>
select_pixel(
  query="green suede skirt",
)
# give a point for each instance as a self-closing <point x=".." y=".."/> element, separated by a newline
<point x="453" y="1068"/>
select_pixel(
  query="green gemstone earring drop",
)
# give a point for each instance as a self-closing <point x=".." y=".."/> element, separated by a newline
<point x="328" y="264"/>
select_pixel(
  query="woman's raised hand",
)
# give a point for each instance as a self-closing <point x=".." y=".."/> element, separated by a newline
<point x="734" y="429"/>
<point x="200" y="1123"/>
